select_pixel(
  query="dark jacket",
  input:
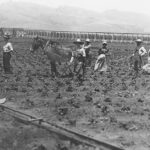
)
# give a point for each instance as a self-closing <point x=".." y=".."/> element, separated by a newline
<point x="103" y="51"/>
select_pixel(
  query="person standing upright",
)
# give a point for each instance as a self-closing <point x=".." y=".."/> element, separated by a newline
<point x="78" y="57"/>
<point x="138" y="53"/>
<point x="7" y="49"/>
<point x="101" y="62"/>
<point x="104" y="49"/>
<point x="87" y="47"/>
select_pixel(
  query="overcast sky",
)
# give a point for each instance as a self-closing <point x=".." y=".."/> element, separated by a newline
<point x="140" y="6"/>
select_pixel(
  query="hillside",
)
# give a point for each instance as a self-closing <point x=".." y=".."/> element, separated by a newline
<point x="29" y="15"/>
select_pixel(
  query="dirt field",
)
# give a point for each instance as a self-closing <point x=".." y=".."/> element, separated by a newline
<point x="114" y="106"/>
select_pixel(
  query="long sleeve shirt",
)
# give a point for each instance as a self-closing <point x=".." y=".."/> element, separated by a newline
<point x="77" y="53"/>
<point x="87" y="48"/>
<point x="81" y="52"/>
<point x="140" y="51"/>
<point x="7" y="47"/>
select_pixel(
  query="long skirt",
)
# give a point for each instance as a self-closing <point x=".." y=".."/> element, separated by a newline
<point x="101" y="64"/>
<point x="6" y="62"/>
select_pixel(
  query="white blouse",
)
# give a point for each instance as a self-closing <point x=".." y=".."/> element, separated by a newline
<point x="82" y="52"/>
<point x="78" y="51"/>
<point x="7" y="47"/>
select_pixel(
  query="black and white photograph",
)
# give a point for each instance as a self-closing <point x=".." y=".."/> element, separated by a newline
<point x="74" y="75"/>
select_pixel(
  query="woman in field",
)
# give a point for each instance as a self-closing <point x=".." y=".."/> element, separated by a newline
<point x="7" y="50"/>
<point x="101" y="63"/>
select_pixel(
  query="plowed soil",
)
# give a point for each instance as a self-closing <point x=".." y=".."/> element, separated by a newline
<point x="114" y="106"/>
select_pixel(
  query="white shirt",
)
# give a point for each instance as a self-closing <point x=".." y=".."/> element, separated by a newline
<point x="87" y="46"/>
<point x="82" y="52"/>
<point x="7" y="47"/>
<point x="142" y="51"/>
<point x="149" y="56"/>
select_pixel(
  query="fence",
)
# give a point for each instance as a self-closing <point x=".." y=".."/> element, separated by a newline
<point x="73" y="35"/>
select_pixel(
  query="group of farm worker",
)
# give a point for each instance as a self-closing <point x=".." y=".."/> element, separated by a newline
<point x="81" y="56"/>
<point x="101" y="62"/>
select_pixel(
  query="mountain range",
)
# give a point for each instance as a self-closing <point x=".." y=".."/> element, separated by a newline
<point x="66" y="18"/>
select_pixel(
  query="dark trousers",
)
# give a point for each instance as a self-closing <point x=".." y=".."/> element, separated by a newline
<point x="137" y="62"/>
<point x="80" y="63"/>
<point x="6" y="62"/>
<point x="53" y="67"/>
<point x="88" y="60"/>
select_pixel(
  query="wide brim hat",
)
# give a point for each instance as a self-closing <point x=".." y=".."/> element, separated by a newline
<point x="104" y="42"/>
<point x="138" y="41"/>
<point x="78" y="41"/>
<point x="88" y="40"/>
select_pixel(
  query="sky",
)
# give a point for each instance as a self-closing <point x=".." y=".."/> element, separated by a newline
<point x="139" y="6"/>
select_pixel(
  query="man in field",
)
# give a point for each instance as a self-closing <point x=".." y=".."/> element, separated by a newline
<point x="101" y="63"/>
<point x="7" y="52"/>
<point x="139" y="52"/>
<point x="78" y="58"/>
<point x="53" y="56"/>
<point x="87" y="47"/>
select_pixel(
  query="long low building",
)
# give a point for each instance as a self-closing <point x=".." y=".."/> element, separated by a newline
<point x="72" y="35"/>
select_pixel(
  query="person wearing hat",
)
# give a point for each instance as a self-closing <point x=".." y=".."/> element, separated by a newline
<point x="7" y="49"/>
<point x="101" y="60"/>
<point x="87" y="47"/>
<point x="78" y="56"/>
<point x="104" y="49"/>
<point x="138" y="53"/>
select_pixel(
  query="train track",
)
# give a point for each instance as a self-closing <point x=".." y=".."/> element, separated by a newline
<point x="63" y="132"/>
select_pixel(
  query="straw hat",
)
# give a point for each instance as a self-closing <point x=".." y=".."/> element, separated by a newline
<point x="104" y="42"/>
<point x="78" y="41"/>
<point x="87" y="40"/>
<point x="139" y="41"/>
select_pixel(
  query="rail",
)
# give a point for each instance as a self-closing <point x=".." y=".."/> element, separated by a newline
<point x="64" y="132"/>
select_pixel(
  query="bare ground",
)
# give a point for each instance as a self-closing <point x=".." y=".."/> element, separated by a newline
<point x="114" y="106"/>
